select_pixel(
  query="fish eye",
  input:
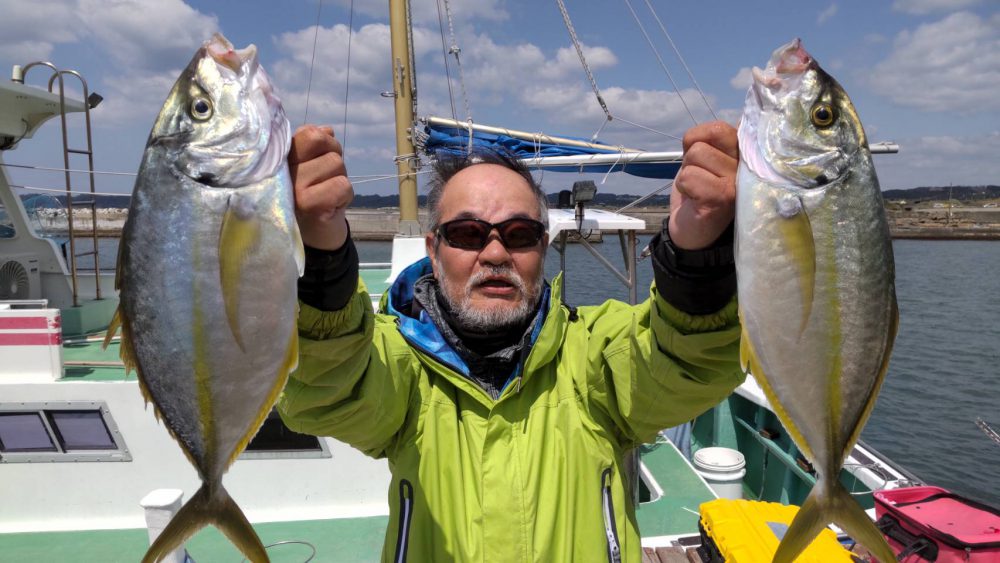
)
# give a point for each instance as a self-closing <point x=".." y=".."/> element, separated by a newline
<point x="201" y="109"/>
<point x="822" y="115"/>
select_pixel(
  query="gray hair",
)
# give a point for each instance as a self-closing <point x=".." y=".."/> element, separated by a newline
<point x="447" y="166"/>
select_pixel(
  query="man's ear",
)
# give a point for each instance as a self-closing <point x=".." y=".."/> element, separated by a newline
<point x="431" y="250"/>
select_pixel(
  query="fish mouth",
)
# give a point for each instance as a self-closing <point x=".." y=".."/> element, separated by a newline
<point x="224" y="53"/>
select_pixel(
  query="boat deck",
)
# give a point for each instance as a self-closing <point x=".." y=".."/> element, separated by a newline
<point x="351" y="539"/>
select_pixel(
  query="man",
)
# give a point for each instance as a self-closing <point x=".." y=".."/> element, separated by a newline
<point x="504" y="414"/>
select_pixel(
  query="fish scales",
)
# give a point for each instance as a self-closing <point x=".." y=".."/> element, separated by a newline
<point x="207" y="268"/>
<point x="815" y="277"/>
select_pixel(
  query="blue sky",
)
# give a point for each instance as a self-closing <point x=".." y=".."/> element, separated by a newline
<point x="922" y="73"/>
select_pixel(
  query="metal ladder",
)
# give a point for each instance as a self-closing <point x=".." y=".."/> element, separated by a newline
<point x="71" y="203"/>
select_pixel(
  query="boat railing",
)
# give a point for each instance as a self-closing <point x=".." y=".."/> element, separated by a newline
<point x="90" y="201"/>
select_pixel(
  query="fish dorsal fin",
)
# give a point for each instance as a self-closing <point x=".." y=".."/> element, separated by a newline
<point x="238" y="238"/>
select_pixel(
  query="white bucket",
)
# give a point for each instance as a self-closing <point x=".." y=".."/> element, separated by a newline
<point x="723" y="469"/>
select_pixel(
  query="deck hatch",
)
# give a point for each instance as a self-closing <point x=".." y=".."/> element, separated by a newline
<point x="59" y="431"/>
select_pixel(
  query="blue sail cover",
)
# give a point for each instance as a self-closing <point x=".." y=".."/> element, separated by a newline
<point x="449" y="140"/>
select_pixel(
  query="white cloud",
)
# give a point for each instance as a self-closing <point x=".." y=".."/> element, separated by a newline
<point x="29" y="31"/>
<point x="940" y="161"/>
<point x="152" y="35"/>
<point x="924" y="7"/>
<point x="743" y="79"/>
<point x="949" y="65"/>
<point x="826" y="14"/>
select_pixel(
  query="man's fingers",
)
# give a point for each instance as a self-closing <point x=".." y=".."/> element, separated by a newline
<point x="318" y="169"/>
<point x="325" y="197"/>
<point x="311" y="141"/>
<point x="710" y="158"/>
<point x="718" y="134"/>
<point x="705" y="188"/>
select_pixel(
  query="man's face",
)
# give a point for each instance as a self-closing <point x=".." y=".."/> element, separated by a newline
<point x="495" y="287"/>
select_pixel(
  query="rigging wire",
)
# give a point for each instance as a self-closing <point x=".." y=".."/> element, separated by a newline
<point x="347" y="86"/>
<point x="447" y="67"/>
<point x="660" y="59"/>
<point x="456" y="50"/>
<point x="583" y="60"/>
<point x="681" y="59"/>
<point x="312" y="63"/>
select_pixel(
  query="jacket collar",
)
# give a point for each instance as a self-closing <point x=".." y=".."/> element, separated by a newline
<point x="421" y="332"/>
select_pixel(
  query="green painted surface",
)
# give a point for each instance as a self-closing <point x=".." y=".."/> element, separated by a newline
<point x="683" y="492"/>
<point x="89" y="317"/>
<point x="80" y="357"/>
<point x="375" y="280"/>
<point x="348" y="539"/>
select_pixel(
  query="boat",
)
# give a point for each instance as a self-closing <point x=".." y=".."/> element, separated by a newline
<point x="88" y="474"/>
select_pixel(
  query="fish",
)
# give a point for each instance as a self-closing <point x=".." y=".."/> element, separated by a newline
<point x="207" y="268"/>
<point x="815" y="278"/>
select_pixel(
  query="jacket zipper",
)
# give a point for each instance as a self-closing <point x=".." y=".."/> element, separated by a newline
<point x="405" y="515"/>
<point x="608" y="508"/>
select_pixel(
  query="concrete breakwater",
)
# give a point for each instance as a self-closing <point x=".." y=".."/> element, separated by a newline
<point x="382" y="224"/>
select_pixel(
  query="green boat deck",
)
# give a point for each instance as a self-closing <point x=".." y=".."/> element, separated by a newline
<point x="347" y="539"/>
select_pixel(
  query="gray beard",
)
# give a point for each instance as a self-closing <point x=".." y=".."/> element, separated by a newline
<point x="495" y="319"/>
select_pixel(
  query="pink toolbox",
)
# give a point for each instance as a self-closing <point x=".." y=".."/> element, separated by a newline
<point x="933" y="524"/>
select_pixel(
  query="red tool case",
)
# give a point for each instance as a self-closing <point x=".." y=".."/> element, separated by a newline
<point x="933" y="524"/>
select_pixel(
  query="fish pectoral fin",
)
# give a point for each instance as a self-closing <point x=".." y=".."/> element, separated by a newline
<point x="798" y="242"/>
<point x="237" y="240"/>
<point x="206" y="508"/>
<point x="299" y="249"/>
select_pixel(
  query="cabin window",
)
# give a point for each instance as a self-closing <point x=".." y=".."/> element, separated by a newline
<point x="6" y="225"/>
<point x="70" y="431"/>
<point x="24" y="432"/>
<point x="81" y="430"/>
<point x="274" y="440"/>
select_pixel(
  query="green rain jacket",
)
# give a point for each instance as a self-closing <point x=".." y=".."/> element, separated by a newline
<point x="536" y="475"/>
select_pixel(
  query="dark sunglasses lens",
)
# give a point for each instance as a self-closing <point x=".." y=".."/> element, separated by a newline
<point x="520" y="233"/>
<point x="465" y="234"/>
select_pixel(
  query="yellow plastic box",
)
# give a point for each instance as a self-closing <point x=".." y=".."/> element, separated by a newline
<point x="746" y="531"/>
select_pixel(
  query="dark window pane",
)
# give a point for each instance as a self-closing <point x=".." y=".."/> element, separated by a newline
<point x="275" y="436"/>
<point x="81" y="430"/>
<point x="24" y="432"/>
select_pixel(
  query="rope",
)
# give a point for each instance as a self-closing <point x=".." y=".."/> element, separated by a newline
<point x="455" y="50"/>
<point x="660" y="59"/>
<point x="447" y="67"/>
<point x="681" y="59"/>
<point x="347" y="86"/>
<point x="312" y="63"/>
<point x="583" y="60"/>
<point x="50" y="169"/>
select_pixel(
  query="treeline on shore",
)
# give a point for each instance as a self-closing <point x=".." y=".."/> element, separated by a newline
<point x="374" y="201"/>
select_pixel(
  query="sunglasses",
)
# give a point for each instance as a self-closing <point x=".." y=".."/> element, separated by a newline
<point x="474" y="234"/>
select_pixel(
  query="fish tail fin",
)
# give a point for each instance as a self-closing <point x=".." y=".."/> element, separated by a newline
<point x="849" y="515"/>
<point x="826" y="503"/>
<point x="806" y="525"/>
<point x="206" y="507"/>
<point x="234" y="524"/>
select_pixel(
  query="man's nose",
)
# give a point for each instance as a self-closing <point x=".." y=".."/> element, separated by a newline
<point x="494" y="252"/>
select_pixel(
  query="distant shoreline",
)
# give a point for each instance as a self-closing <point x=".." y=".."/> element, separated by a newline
<point x="381" y="224"/>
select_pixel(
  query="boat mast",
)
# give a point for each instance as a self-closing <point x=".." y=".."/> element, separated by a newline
<point x="402" y="85"/>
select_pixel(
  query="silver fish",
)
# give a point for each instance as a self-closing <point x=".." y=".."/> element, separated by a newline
<point x="816" y="278"/>
<point x="206" y="273"/>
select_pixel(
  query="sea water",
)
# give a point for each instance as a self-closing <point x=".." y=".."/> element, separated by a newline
<point x="945" y="367"/>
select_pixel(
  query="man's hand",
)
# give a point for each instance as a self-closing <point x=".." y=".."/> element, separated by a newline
<point x="703" y="202"/>
<point x="322" y="189"/>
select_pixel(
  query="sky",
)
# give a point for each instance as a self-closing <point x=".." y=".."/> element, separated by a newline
<point x="922" y="73"/>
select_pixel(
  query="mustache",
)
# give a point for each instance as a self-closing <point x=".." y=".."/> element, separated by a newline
<point x="504" y="273"/>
